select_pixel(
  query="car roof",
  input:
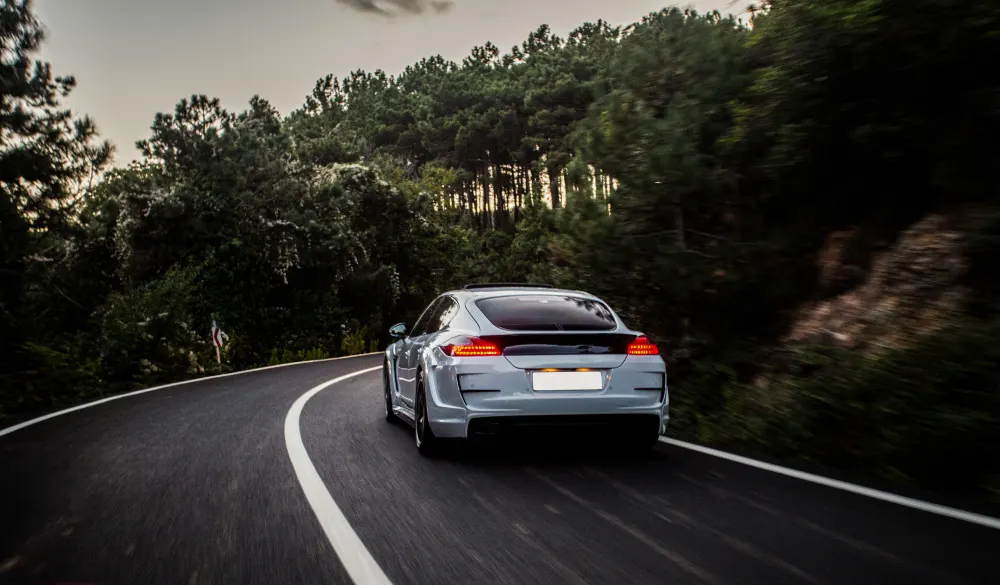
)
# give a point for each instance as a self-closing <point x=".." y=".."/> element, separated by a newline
<point x="511" y="290"/>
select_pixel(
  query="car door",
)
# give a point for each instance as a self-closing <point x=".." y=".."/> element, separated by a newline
<point x="406" y="365"/>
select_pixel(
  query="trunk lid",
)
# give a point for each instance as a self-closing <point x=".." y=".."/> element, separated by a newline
<point x="531" y="351"/>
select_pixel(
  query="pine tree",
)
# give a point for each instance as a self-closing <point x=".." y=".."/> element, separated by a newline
<point x="46" y="157"/>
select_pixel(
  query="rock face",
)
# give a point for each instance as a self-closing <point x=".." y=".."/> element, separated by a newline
<point x="912" y="289"/>
<point x="836" y="272"/>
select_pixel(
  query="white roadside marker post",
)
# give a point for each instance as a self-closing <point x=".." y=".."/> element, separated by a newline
<point x="217" y="336"/>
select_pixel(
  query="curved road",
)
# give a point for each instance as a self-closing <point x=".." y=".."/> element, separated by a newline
<point x="193" y="484"/>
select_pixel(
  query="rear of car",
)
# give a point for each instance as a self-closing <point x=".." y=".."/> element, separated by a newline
<point x="541" y="359"/>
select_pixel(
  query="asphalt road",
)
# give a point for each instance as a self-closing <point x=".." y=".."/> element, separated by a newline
<point x="193" y="484"/>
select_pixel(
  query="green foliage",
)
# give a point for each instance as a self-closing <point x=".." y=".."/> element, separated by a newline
<point x="46" y="155"/>
<point x="287" y="356"/>
<point x="150" y="333"/>
<point x="867" y="85"/>
<point x="55" y="375"/>
<point x="355" y="342"/>
<point x="928" y="414"/>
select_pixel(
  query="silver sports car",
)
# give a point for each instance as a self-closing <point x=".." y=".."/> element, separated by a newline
<point x="496" y="358"/>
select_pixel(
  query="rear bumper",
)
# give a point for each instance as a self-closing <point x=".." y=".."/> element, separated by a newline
<point x="591" y="426"/>
<point x="621" y="407"/>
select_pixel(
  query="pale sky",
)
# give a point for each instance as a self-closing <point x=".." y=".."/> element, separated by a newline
<point x="133" y="58"/>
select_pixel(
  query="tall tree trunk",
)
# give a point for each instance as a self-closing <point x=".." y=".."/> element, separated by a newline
<point x="518" y="193"/>
<point x="498" y="191"/>
<point x="497" y="196"/>
<point x="679" y="221"/>
<point x="554" y="176"/>
<point x="487" y="214"/>
<point x="533" y="191"/>
<point x="470" y="194"/>
<point x="526" y="195"/>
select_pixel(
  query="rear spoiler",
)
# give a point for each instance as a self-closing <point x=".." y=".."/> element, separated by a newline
<point x="505" y="285"/>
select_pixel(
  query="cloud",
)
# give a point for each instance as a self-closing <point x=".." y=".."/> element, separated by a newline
<point x="395" y="7"/>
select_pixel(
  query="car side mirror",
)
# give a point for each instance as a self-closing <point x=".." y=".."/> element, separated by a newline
<point x="398" y="330"/>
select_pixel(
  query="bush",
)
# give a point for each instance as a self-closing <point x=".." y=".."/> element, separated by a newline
<point x="357" y="341"/>
<point x="287" y="356"/>
<point x="54" y="374"/>
<point x="148" y="333"/>
<point x="927" y="415"/>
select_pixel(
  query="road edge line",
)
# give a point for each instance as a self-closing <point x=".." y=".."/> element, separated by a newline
<point x="359" y="563"/>
<point x="45" y="417"/>
<point x="972" y="517"/>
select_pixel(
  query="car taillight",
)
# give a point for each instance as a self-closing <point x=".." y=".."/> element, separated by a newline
<point x="471" y="347"/>
<point x="642" y="346"/>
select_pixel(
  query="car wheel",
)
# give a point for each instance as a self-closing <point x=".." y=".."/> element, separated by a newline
<point x="426" y="441"/>
<point x="386" y="390"/>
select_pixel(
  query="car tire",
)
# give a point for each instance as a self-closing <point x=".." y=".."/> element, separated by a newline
<point x="387" y="393"/>
<point x="427" y="443"/>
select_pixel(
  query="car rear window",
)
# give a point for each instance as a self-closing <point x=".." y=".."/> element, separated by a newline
<point x="547" y="313"/>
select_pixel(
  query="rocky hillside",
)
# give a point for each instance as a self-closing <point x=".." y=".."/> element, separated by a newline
<point x="911" y="289"/>
<point x="893" y="369"/>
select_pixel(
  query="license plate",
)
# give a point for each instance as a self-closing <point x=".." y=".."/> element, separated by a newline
<point x="567" y="381"/>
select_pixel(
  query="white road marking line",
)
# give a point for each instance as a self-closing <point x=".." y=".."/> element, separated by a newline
<point x="955" y="513"/>
<point x="359" y="563"/>
<point x="46" y="417"/>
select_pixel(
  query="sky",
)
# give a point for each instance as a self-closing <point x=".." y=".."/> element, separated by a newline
<point x="133" y="58"/>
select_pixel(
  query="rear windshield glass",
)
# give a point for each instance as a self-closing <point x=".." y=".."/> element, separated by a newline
<point x="547" y="313"/>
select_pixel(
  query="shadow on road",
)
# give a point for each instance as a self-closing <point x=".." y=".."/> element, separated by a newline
<point x="551" y="451"/>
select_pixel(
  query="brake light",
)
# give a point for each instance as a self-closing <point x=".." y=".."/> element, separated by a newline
<point x="642" y="346"/>
<point x="471" y="347"/>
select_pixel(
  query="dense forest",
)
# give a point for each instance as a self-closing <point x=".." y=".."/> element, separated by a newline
<point x="687" y="168"/>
